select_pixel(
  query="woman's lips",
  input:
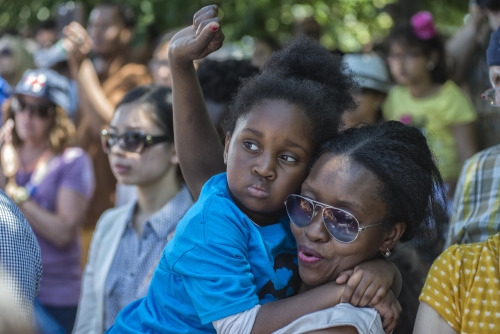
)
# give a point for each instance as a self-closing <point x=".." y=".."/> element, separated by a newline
<point x="308" y="256"/>
<point x="120" y="169"/>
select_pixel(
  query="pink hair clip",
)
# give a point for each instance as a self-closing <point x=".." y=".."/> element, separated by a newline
<point x="423" y="25"/>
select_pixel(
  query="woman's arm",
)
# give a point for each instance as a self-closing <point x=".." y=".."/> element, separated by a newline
<point x="197" y="143"/>
<point x="464" y="43"/>
<point x="59" y="227"/>
<point x="429" y="321"/>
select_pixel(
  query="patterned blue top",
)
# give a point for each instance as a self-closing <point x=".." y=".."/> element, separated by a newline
<point x="136" y="256"/>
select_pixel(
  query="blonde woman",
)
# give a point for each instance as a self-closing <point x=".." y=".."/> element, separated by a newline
<point x="52" y="185"/>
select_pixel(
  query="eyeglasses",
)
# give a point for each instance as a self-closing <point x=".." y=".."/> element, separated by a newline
<point x="492" y="96"/>
<point x="35" y="109"/>
<point x="342" y="225"/>
<point x="131" y="141"/>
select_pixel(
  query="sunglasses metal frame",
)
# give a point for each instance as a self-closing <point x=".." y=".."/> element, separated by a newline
<point x="323" y="207"/>
<point x="146" y="140"/>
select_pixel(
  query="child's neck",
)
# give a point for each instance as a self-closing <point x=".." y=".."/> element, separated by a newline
<point x="424" y="88"/>
<point x="259" y="219"/>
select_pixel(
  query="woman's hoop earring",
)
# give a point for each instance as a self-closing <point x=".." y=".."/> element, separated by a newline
<point x="387" y="253"/>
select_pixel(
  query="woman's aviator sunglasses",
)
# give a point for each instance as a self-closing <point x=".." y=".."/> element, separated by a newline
<point x="130" y="141"/>
<point x="343" y="226"/>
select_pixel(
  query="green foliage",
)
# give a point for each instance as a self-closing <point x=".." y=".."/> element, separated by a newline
<point x="347" y="25"/>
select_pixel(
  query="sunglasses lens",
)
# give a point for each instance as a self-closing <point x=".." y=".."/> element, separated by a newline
<point x="341" y="225"/>
<point x="107" y="141"/>
<point x="132" y="141"/>
<point x="300" y="210"/>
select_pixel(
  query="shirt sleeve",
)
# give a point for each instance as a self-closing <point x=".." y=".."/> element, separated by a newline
<point x="441" y="290"/>
<point x="241" y="323"/>
<point x="365" y="320"/>
<point x="78" y="172"/>
<point x="457" y="108"/>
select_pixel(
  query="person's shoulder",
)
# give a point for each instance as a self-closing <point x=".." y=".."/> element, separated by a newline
<point x="397" y="90"/>
<point x="215" y="187"/>
<point x="493" y="152"/>
<point x="454" y="93"/>
<point x="483" y="159"/>
<point x="493" y="243"/>
<point x="111" y="215"/>
<point x="72" y="154"/>
<point x="7" y="205"/>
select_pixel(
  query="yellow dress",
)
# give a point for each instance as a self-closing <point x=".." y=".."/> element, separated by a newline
<point x="463" y="286"/>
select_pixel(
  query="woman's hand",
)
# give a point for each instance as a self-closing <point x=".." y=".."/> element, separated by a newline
<point x="198" y="40"/>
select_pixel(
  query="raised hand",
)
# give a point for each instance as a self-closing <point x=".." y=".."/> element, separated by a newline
<point x="199" y="39"/>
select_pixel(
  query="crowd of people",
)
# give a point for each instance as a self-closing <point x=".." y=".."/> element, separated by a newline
<point x="298" y="190"/>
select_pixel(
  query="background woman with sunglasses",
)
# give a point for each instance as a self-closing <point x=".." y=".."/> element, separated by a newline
<point x="128" y="240"/>
<point x="52" y="183"/>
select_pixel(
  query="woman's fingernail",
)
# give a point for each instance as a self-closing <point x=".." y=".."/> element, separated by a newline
<point x="214" y="28"/>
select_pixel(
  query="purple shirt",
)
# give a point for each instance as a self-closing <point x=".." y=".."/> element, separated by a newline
<point x="61" y="276"/>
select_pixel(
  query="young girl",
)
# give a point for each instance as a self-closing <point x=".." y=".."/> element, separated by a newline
<point x="234" y="251"/>
<point x="425" y="98"/>
<point x="139" y="143"/>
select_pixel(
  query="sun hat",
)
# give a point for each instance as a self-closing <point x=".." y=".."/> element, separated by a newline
<point x="46" y="84"/>
<point x="369" y="70"/>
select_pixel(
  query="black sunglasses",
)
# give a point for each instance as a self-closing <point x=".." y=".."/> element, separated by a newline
<point x="342" y="225"/>
<point x="130" y="141"/>
<point x="39" y="110"/>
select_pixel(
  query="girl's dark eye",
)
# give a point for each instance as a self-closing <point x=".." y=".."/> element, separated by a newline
<point x="289" y="158"/>
<point x="251" y="146"/>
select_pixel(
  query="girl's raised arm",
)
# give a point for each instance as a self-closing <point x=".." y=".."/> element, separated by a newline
<point x="197" y="143"/>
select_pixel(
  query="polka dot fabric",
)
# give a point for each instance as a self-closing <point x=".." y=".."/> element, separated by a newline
<point x="463" y="287"/>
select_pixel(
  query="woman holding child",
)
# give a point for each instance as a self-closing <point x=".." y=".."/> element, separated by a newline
<point x="224" y="267"/>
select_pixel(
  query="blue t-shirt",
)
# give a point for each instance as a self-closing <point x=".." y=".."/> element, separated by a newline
<point x="218" y="264"/>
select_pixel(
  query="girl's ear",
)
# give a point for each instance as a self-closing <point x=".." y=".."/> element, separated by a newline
<point x="226" y="148"/>
<point x="392" y="236"/>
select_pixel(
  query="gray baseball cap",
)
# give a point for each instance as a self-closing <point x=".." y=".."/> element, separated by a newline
<point x="369" y="70"/>
<point x="47" y="84"/>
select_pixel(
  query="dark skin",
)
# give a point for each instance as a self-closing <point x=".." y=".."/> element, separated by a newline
<point x="194" y="130"/>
